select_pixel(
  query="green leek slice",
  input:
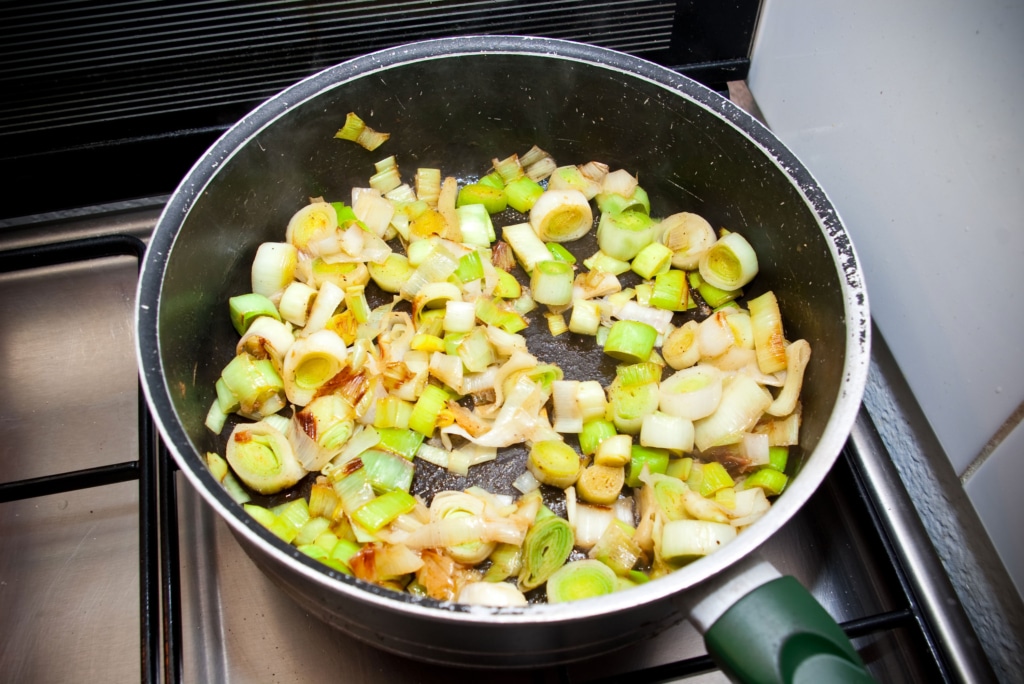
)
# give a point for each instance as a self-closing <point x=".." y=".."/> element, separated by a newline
<point x="630" y="341"/>
<point x="655" y="459"/>
<point x="551" y="283"/>
<point x="244" y="309"/>
<point x="262" y="458"/>
<point x="616" y="548"/>
<point x="494" y="200"/>
<point x="554" y="462"/>
<point x="546" y="547"/>
<point x="523" y="193"/>
<point x="623" y="235"/>
<point x="770" y="480"/>
<point x="579" y="580"/>
<point x="382" y="510"/>
<point x="356" y="130"/>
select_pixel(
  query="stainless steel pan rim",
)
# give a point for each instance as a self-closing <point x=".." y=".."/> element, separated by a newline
<point x="810" y="476"/>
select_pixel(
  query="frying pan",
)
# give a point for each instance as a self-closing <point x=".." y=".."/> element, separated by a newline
<point x="456" y="104"/>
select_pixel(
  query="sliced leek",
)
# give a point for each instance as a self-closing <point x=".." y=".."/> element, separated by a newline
<point x="273" y="269"/>
<point x="687" y="539"/>
<point x="310" y="363"/>
<point x="315" y="220"/>
<point x="361" y="388"/>
<point x="579" y="580"/>
<point x="356" y="130"/>
<point x="262" y="458"/>
<point x="730" y="263"/>
<point x="769" y="339"/>
<point x="624" y="234"/>
<point x="554" y="463"/>
<point x="545" y="549"/>
<point x="561" y="216"/>
<point x="245" y="309"/>
<point x="551" y="283"/>
<point x="688" y="236"/>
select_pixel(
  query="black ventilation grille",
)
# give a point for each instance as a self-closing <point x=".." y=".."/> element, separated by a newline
<point x="71" y="63"/>
<point x="126" y="83"/>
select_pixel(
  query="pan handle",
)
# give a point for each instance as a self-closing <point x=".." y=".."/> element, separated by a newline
<point x="775" y="632"/>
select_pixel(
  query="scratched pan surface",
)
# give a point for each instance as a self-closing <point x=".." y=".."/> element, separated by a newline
<point x="456" y="104"/>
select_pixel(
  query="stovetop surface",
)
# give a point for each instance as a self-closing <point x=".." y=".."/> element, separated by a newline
<point x="69" y="577"/>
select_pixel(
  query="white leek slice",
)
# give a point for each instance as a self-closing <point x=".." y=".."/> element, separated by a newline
<point x="554" y="463"/>
<point x="495" y="594"/>
<point x="296" y="301"/>
<point x="374" y="211"/>
<point x="327" y="301"/>
<point x="353" y="245"/>
<point x="392" y="272"/>
<point x="659" y="319"/>
<point x="766" y="326"/>
<point x="681" y="349"/>
<point x="273" y="268"/>
<point x="681" y="539"/>
<point x="561" y="216"/>
<point x="312" y="221"/>
<point x="754" y="448"/>
<point x="262" y="458"/>
<point x="266" y="336"/>
<point x="590" y="522"/>
<point x="730" y="263"/>
<point x="692" y="393"/>
<point x="459" y="317"/>
<point x="619" y="182"/>
<point x="452" y="505"/>
<point x="714" y="336"/>
<point x="585" y="318"/>
<point x="310" y="363"/>
<point x="573" y="178"/>
<point x="663" y="431"/>
<point x="798" y="354"/>
<point x="568" y="418"/>
<point x="591" y="399"/>
<point x="689" y="236"/>
<point x="743" y="403"/>
<point x="448" y="369"/>
<point x="527" y="246"/>
<point x="600" y="484"/>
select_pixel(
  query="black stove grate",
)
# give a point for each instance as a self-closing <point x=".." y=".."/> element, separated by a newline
<point x="160" y="585"/>
<point x="158" y="578"/>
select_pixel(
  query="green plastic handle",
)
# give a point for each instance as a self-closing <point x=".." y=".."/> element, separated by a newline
<point x="780" y="633"/>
